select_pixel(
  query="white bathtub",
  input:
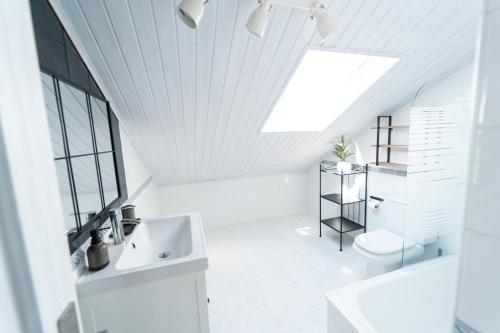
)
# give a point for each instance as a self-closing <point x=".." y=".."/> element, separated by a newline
<point x="415" y="299"/>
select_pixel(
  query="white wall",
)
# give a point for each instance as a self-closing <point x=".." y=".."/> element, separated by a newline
<point x="148" y="202"/>
<point x="478" y="303"/>
<point x="142" y="190"/>
<point x="10" y="321"/>
<point x="239" y="200"/>
<point x="391" y="215"/>
<point x="36" y="205"/>
<point x="136" y="172"/>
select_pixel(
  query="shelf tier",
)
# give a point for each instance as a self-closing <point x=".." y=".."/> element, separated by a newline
<point x="347" y="225"/>
<point x="331" y="168"/>
<point x="338" y="173"/>
<point x="394" y="166"/>
<point x="393" y="127"/>
<point x="392" y="146"/>
<point x="348" y="199"/>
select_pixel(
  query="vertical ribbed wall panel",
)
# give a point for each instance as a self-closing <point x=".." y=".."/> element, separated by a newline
<point x="437" y="165"/>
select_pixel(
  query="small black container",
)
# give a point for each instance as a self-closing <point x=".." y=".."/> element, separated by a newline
<point x="97" y="253"/>
<point x="128" y="212"/>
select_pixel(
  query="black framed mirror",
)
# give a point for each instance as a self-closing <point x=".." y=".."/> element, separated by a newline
<point x="89" y="168"/>
<point x="84" y="131"/>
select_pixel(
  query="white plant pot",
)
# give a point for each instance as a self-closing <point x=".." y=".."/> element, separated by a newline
<point x="344" y="167"/>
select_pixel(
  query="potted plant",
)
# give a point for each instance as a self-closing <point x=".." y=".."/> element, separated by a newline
<point x="341" y="150"/>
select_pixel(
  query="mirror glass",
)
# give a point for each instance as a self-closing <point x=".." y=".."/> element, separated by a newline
<point x="101" y="125"/>
<point x="65" y="193"/>
<point x="77" y="120"/>
<point x="53" y="116"/>
<point x="87" y="186"/>
<point x="108" y="176"/>
<point x="58" y="150"/>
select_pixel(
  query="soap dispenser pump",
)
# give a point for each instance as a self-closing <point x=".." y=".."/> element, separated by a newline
<point x="97" y="253"/>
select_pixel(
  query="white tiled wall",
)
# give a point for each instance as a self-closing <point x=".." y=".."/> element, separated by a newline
<point x="479" y="291"/>
<point x="234" y="201"/>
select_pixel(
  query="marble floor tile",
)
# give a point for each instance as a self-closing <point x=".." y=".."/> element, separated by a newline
<point x="272" y="275"/>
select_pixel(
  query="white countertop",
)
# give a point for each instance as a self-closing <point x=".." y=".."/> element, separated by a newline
<point x="110" y="277"/>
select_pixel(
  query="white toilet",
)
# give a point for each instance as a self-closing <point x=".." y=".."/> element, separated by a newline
<point x="383" y="250"/>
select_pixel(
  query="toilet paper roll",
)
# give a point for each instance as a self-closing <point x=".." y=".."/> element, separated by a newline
<point x="374" y="205"/>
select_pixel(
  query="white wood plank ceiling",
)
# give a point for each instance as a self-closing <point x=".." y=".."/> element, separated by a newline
<point x="194" y="102"/>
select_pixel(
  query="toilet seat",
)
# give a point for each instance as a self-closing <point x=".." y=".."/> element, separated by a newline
<point x="383" y="242"/>
<point x="393" y="258"/>
<point x="383" y="251"/>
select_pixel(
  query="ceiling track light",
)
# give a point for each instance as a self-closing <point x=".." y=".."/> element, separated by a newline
<point x="191" y="12"/>
<point x="325" y="24"/>
<point x="257" y="21"/>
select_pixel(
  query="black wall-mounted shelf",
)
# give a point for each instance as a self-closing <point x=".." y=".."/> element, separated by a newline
<point x="389" y="127"/>
<point x="352" y="207"/>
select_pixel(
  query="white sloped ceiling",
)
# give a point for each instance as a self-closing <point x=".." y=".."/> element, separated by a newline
<point x="193" y="102"/>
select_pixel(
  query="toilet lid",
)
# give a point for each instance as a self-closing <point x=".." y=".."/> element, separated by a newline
<point x="382" y="241"/>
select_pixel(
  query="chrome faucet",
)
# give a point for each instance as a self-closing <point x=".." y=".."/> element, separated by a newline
<point x="116" y="226"/>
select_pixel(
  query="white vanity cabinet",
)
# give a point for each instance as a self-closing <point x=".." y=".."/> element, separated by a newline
<point x="177" y="305"/>
<point x="155" y="281"/>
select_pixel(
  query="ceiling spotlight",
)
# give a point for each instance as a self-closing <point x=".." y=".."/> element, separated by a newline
<point x="257" y="21"/>
<point x="325" y="23"/>
<point x="191" y="12"/>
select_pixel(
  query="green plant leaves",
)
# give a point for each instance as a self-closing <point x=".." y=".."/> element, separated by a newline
<point x="341" y="149"/>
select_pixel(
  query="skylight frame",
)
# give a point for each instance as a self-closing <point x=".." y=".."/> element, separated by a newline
<point x="300" y="121"/>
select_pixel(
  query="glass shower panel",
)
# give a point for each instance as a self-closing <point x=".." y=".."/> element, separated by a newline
<point x="438" y="154"/>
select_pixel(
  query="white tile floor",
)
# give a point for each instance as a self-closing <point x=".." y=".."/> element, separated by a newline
<point x="272" y="275"/>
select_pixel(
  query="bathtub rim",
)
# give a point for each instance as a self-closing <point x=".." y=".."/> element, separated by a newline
<point x="344" y="302"/>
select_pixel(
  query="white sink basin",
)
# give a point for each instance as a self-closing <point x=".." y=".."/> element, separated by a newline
<point x="157" y="249"/>
<point x="156" y="242"/>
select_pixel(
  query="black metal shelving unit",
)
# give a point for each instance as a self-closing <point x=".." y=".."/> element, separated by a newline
<point x="352" y="207"/>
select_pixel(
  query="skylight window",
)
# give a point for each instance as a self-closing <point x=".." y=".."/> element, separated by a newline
<point x="324" y="85"/>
